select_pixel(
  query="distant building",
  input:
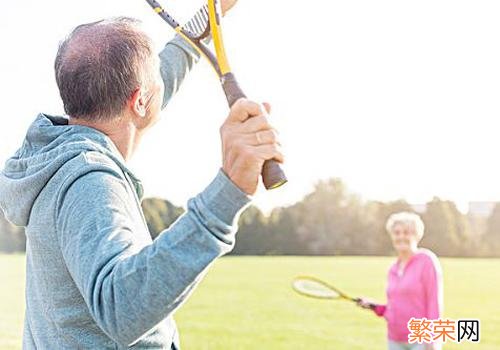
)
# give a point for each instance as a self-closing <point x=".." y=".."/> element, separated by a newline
<point x="478" y="215"/>
<point x="481" y="209"/>
<point x="419" y="208"/>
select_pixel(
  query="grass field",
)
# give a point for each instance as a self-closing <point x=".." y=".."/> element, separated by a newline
<point x="247" y="303"/>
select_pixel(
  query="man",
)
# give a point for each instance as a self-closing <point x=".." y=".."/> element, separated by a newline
<point x="95" y="280"/>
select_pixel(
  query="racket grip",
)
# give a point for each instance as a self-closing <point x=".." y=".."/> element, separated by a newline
<point x="231" y="89"/>
<point x="372" y="306"/>
<point x="273" y="175"/>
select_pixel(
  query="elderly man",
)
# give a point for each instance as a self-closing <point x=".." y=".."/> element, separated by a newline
<point x="95" y="280"/>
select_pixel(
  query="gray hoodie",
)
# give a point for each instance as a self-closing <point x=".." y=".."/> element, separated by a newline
<point x="95" y="279"/>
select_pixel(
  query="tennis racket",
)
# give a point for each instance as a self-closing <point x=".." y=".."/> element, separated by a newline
<point x="205" y="23"/>
<point x="315" y="288"/>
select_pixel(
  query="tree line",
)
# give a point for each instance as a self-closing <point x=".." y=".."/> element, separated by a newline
<point x="329" y="221"/>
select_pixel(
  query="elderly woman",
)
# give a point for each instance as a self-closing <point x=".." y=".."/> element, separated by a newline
<point x="414" y="287"/>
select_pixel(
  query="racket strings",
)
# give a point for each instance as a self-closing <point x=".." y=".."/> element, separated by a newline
<point x="314" y="288"/>
<point x="198" y="26"/>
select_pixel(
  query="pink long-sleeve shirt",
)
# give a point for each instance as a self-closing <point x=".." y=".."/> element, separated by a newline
<point x="417" y="293"/>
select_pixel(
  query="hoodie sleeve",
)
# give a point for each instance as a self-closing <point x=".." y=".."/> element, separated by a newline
<point x="176" y="60"/>
<point x="130" y="284"/>
<point x="432" y="279"/>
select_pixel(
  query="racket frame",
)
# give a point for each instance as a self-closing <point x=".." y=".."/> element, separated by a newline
<point x="195" y="42"/>
<point x="341" y="294"/>
<point x="273" y="175"/>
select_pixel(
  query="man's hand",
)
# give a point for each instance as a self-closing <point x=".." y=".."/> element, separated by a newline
<point x="248" y="140"/>
<point x="226" y="5"/>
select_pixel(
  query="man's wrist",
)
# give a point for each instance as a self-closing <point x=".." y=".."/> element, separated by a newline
<point x="224" y="199"/>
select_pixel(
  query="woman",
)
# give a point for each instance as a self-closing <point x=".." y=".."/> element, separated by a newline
<point x="414" y="283"/>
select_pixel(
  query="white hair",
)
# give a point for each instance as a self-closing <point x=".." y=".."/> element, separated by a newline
<point x="409" y="220"/>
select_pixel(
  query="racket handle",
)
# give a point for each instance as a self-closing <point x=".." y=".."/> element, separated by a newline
<point x="273" y="175"/>
<point x="370" y="305"/>
<point x="231" y="89"/>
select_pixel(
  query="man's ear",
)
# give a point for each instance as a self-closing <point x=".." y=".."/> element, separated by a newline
<point x="138" y="102"/>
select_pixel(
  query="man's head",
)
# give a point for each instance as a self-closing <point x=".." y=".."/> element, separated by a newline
<point x="108" y="69"/>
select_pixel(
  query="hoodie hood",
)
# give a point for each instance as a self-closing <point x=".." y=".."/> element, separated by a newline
<point x="50" y="142"/>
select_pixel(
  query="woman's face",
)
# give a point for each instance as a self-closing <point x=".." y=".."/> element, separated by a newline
<point x="403" y="238"/>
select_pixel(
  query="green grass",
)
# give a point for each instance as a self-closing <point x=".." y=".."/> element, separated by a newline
<point x="247" y="303"/>
<point x="11" y="301"/>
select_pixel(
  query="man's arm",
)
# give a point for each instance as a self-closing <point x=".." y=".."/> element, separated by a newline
<point x="130" y="284"/>
<point x="176" y="60"/>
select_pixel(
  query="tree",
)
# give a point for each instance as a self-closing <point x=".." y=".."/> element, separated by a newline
<point x="12" y="238"/>
<point x="442" y="234"/>
<point x="159" y="214"/>
<point x="377" y="214"/>
<point x="491" y="239"/>
<point x="253" y="234"/>
<point x="329" y="220"/>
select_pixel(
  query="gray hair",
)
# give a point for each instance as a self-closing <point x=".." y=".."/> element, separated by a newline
<point x="100" y="65"/>
<point x="407" y="219"/>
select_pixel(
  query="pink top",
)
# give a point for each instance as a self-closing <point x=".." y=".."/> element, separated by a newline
<point x="416" y="293"/>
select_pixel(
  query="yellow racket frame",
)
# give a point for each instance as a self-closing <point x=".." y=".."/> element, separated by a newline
<point x="216" y="32"/>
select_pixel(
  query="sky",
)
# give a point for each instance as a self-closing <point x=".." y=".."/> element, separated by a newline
<point x="400" y="99"/>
